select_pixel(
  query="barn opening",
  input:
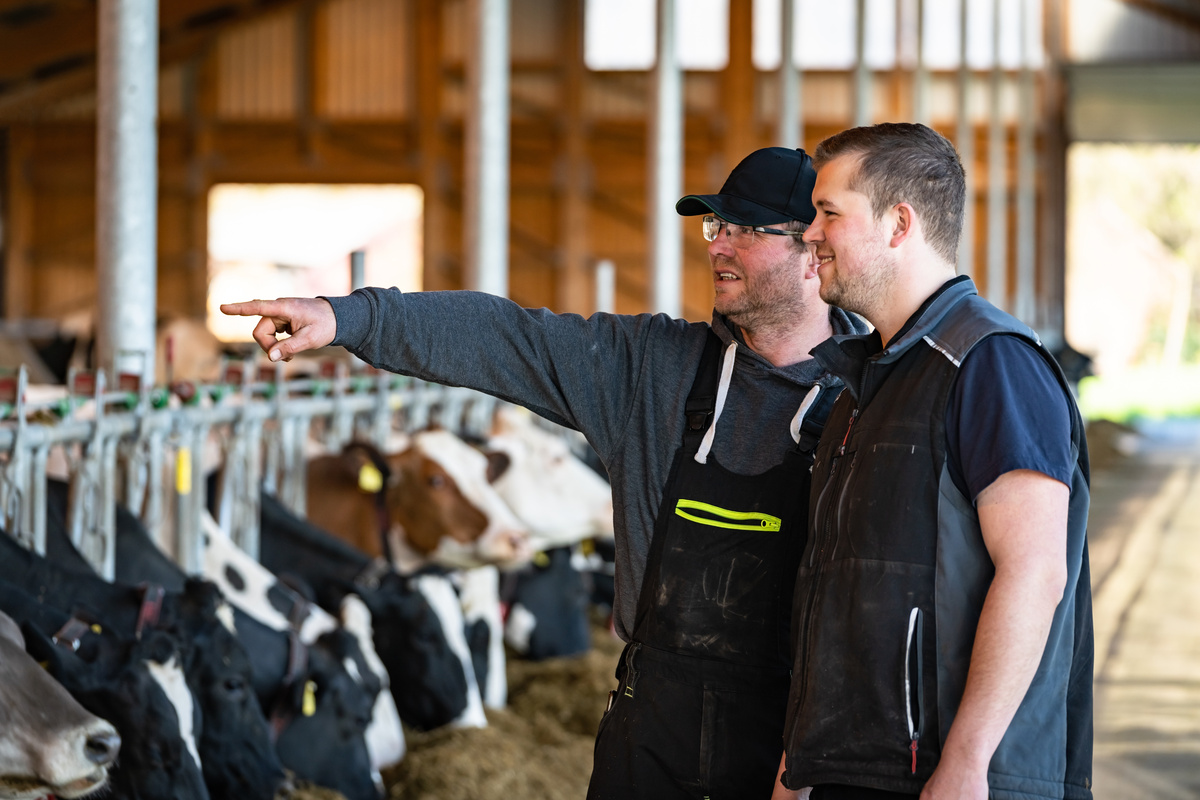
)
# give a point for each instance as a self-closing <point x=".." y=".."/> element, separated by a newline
<point x="1133" y="277"/>
<point x="296" y="240"/>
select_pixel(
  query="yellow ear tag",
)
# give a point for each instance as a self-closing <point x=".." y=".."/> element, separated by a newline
<point x="96" y="628"/>
<point x="587" y="546"/>
<point x="540" y="559"/>
<point x="309" y="706"/>
<point x="370" y="479"/>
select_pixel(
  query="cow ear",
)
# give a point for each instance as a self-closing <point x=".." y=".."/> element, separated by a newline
<point x="58" y="661"/>
<point x="11" y="631"/>
<point x="498" y="464"/>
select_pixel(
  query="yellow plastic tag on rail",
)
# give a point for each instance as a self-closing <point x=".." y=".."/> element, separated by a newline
<point x="183" y="470"/>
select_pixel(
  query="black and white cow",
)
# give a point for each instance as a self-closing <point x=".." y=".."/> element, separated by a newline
<point x="311" y="698"/>
<point x="137" y="685"/>
<point x="234" y="743"/>
<point x="49" y="743"/>
<point x="429" y="674"/>
<point x="257" y="592"/>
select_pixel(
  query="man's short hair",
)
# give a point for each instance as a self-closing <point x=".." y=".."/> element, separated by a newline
<point x="901" y="162"/>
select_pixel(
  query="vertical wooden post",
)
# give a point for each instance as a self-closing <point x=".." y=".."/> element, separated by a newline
<point x="1052" y="278"/>
<point x="997" y="194"/>
<point x="18" y="224"/>
<point x="573" y="287"/>
<point x="965" y="142"/>
<point x="431" y="157"/>
<point x="737" y="85"/>
<point x="199" y="108"/>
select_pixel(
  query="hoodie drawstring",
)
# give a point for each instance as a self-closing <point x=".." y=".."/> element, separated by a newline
<point x="722" y="391"/>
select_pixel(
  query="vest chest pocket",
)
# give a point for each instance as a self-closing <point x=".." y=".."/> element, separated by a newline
<point x="717" y="517"/>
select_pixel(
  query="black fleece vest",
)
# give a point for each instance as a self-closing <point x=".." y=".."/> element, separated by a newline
<point x="891" y="584"/>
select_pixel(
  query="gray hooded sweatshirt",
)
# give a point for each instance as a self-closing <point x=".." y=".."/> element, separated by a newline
<point x="621" y="380"/>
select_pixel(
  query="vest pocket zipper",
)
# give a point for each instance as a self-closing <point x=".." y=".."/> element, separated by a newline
<point x="724" y="518"/>
<point x="914" y="695"/>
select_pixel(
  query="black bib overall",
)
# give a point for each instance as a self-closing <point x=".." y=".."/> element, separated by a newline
<point x="699" y="711"/>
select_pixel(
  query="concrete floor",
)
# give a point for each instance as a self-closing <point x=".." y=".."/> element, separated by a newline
<point x="1144" y="534"/>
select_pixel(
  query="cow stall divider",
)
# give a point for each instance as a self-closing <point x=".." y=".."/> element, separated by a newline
<point x="151" y="448"/>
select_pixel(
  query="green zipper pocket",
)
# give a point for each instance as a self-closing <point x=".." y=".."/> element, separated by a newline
<point x="737" y="520"/>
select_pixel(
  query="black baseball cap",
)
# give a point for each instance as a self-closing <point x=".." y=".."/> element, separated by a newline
<point x="769" y="186"/>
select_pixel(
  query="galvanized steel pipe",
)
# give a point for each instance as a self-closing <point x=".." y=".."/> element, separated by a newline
<point x="485" y="202"/>
<point x="666" y="169"/>
<point x="127" y="186"/>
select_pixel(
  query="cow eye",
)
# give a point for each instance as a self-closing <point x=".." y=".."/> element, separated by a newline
<point x="437" y="481"/>
<point x="235" y="687"/>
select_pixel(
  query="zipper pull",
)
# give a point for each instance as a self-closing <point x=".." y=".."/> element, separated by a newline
<point x="913" y="747"/>
<point x="846" y="438"/>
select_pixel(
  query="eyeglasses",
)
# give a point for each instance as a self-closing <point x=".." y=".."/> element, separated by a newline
<point x="740" y="235"/>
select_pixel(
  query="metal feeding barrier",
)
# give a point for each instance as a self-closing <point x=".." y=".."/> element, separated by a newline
<point x="154" y="447"/>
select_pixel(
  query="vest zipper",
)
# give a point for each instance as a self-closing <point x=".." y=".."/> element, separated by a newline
<point x="819" y="549"/>
<point x="914" y="707"/>
<point x="736" y="520"/>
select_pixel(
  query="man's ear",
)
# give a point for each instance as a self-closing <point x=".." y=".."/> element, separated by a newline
<point x="904" y="223"/>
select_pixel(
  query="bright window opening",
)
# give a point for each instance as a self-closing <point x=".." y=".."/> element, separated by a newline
<point x="295" y="240"/>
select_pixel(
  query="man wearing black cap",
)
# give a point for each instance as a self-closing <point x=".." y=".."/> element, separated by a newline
<point x="707" y="433"/>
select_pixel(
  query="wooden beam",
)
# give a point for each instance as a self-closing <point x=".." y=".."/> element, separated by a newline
<point x="187" y="29"/>
<point x="52" y="46"/>
<point x="19" y="217"/>
<point x="1187" y="16"/>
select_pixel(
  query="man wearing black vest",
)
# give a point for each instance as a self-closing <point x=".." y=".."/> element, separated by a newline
<point x="942" y="614"/>
<point x="707" y="433"/>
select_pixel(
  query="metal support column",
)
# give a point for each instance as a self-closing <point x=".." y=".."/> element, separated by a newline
<point x="127" y="185"/>
<point x="965" y="142"/>
<point x="485" y="194"/>
<point x="666" y="169"/>
<point x="1026" y="300"/>
<point x="791" y="82"/>
<point x="862" y="73"/>
<point x="997" y="206"/>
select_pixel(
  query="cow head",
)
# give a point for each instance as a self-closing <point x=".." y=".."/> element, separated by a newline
<point x="429" y="685"/>
<point x="112" y="678"/>
<point x="385" y="736"/>
<point x="49" y="744"/>
<point x="559" y="498"/>
<point x="238" y="758"/>
<point x="326" y="742"/>
<point x="441" y="503"/>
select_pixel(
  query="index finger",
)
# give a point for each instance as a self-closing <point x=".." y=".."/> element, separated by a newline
<point x="252" y="308"/>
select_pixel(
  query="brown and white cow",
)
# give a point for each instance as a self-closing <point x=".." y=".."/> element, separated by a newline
<point x="48" y="743"/>
<point x="559" y="498"/>
<point x="433" y="499"/>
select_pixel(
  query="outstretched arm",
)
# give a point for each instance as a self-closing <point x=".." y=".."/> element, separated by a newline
<point x="1023" y="517"/>
<point x="309" y="321"/>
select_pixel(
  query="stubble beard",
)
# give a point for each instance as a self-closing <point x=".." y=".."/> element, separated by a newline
<point x="771" y="301"/>
<point x="864" y="292"/>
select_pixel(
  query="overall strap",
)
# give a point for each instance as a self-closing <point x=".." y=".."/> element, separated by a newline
<point x="702" y="399"/>
<point x="814" y="421"/>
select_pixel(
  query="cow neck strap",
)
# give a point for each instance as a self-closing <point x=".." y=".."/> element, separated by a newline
<point x="373" y="573"/>
<point x="283" y="710"/>
<point x="151" y="609"/>
<point x="71" y="633"/>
